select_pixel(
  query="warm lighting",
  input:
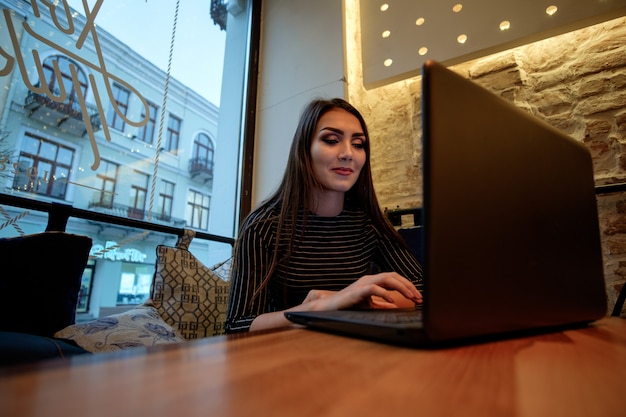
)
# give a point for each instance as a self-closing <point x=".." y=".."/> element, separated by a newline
<point x="388" y="62"/>
<point x="551" y="10"/>
<point x="438" y="24"/>
<point x="422" y="51"/>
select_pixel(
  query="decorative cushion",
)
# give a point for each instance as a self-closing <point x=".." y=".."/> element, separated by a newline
<point x="189" y="296"/>
<point x="18" y="348"/>
<point x="222" y="269"/>
<point x="41" y="279"/>
<point x="137" y="327"/>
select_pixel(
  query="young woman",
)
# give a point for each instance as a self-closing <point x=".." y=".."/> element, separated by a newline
<point x="319" y="241"/>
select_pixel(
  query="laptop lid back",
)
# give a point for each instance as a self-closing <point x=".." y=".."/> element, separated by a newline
<point x="512" y="240"/>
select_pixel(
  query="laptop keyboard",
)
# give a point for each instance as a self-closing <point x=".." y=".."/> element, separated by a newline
<point x="395" y="316"/>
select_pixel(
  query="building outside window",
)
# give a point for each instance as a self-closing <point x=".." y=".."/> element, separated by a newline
<point x="173" y="134"/>
<point x="61" y="82"/>
<point x="138" y="193"/>
<point x="135" y="283"/>
<point x="43" y="167"/>
<point x="166" y="200"/>
<point x="198" y="210"/>
<point x="203" y="152"/>
<point x="119" y="107"/>
<point x="106" y="178"/>
<point x="79" y="126"/>
<point x="146" y="132"/>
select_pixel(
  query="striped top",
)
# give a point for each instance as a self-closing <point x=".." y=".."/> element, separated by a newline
<point x="333" y="253"/>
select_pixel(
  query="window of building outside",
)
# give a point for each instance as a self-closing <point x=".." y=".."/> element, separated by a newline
<point x="146" y="132"/>
<point x="131" y="110"/>
<point x="119" y="107"/>
<point x="173" y="134"/>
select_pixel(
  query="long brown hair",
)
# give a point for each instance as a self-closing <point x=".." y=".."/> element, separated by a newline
<point x="296" y="188"/>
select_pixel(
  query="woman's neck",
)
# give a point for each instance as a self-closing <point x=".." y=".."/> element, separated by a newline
<point x="327" y="203"/>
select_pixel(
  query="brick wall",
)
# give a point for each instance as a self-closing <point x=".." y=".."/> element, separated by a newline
<point x="576" y="82"/>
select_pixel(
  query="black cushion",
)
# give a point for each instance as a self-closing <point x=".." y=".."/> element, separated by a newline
<point x="20" y="348"/>
<point x="40" y="281"/>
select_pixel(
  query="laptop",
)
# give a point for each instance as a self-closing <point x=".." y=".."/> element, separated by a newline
<point x="511" y="238"/>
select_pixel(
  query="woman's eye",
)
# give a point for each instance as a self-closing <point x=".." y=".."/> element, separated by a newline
<point x="358" y="145"/>
<point x="330" y="139"/>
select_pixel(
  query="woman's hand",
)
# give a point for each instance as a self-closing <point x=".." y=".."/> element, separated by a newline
<point x="384" y="290"/>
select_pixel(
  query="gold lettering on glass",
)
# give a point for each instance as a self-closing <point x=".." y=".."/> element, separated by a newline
<point x="98" y="68"/>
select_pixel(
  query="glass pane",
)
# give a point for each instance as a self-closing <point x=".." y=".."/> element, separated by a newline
<point x="48" y="151"/>
<point x="102" y="104"/>
<point x="65" y="156"/>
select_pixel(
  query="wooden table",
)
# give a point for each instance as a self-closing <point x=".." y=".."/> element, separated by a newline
<point x="298" y="373"/>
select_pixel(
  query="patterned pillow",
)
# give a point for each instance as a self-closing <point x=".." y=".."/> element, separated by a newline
<point x="188" y="295"/>
<point x="137" y="327"/>
<point x="222" y="269"/>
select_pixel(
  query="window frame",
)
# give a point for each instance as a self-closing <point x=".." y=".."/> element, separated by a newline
<point x="246" y="139"/>
<point x="165" y="200"/>
<point x="138" y="195"/>
<point x="115" y="120"/>
<point x="71" y="96"/>
<point x="50" y="177"/>
<point x="172" y="137"/>
<point x="193" y="208"/>
<point x="101" y="175"/>
<point x="149" y="129"/>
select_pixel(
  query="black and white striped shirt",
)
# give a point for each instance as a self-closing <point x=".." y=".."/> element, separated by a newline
<point x="332" y="253"/>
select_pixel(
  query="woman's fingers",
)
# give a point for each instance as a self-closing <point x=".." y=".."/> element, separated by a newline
<point x="390" y="289"/>
<point x="377" y="302"/>
<point x="394" y="281"/>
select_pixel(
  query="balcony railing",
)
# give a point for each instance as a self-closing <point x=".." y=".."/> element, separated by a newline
<point x="121" y="210"/>
<point x="66" y="116"/>
<point x="201" y="169"/>
<point x="60" y="213"/>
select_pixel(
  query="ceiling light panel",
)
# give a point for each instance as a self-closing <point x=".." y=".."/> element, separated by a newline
<point x="460" y="30"/>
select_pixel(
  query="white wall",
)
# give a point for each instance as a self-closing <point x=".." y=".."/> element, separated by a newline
<point x="301" y="57"/>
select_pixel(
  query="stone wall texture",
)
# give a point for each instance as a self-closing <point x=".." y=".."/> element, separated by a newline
<point x="575" y="81"/>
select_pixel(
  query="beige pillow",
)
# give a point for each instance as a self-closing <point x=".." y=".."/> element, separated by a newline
<point x="222" y="269"/>
<point x="189" y="296"/>
<point x="137" y="327"/>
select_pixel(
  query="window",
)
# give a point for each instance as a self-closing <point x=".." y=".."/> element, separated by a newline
<point x="43" y="167"/>
<point x="95" y="77"/>
<point x="203" y="151"/>
<point x="138" y="193"/>
<point x="61" y="83"/>
<point x="198" y="210"/>
<point x="173" y="134"/>
<point x="86" y="283"/>
<point x="134" y="285"/>
<point x="119" y="107"/>
<point x="146" y="132"/>
<point x="165" y="201"/>
<point x="106" y="178"/>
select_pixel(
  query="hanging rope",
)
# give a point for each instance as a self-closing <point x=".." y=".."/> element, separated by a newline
<point x="12" y="221"/>
<point x="163" y="113"/>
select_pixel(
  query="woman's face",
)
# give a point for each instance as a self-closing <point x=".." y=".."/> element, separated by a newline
<point x="338" y="150"/>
